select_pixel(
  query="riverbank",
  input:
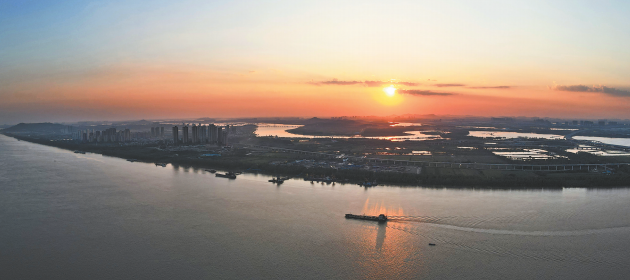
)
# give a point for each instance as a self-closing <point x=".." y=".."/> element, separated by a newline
<point x="241" y="160"/>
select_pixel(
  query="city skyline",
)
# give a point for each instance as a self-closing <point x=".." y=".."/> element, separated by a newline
<point x="74" y="61"/>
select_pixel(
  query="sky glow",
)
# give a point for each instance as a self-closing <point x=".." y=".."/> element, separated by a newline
<point x="88" y="60"/>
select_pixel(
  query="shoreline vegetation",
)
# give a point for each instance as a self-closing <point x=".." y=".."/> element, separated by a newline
<point x="238" y="159"/>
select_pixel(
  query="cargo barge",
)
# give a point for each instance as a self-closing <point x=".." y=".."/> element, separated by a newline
<point x="380" y="218"/>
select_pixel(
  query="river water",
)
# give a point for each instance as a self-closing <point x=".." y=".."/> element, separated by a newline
<point x="72" y="216"/>
<point x="280" y="130"/>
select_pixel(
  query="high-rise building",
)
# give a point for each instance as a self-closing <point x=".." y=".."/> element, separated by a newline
<point x="212" y="134"/>
<point x="204" y="134"/>
<point x="109" y="135"/>
<point x="219" y="135"/>
<point x="185" y="135"/>
<point x="222" y="135"/>
<point x="153" y="132"/>
<point x="226" y="132"/>
<point x="195" y="134"/>
<point x="162" y="131"/>
<point x="199" y="134"/>
<point x="175" y="135"/>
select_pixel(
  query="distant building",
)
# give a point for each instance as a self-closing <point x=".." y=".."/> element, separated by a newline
<point x="226" y="132"/>
<point x="203" y="134"/>
<point x="175" y="135"/>
<point x="503" y="119"/>
<point x="212" y="134"/>
<point x="185" y="135"/>
<point x="195" y="134"/>
<point x="162" y="131"/>
<point x="67" y="130"/>
<point x="601" y="122"/>
<point x="222" y="135"/>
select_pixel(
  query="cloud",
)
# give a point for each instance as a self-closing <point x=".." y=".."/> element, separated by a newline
<point x="376" y="83"/>
<point x="342" y="83"/>
<point x="613" y="91"/>
<point x="409" y="84"/>
<point x="496" y="87"/>
<point x="449" y="85"/>
<point x="424" y="92"/>
<point x="335" y="82"/>
<point x="415" y="92"/>
<point x="366" y="83"/>
<point x="575" y="88"/>
<point x="383" y="84"/>
<point x="583" y="88"/>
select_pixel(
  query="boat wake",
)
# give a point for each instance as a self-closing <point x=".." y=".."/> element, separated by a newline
<point x="473" y="225"/>
<point x="537" y="233"/>
<point x="498" y="248"/>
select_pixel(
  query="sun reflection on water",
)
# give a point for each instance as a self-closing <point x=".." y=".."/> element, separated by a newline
<point x="381" y="208"/>
<point x="388" y="250"/>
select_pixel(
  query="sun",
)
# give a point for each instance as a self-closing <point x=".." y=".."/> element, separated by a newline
<point x="390" y="91"/>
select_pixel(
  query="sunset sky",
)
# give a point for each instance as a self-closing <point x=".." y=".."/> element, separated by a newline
<point x="120" y="60"/>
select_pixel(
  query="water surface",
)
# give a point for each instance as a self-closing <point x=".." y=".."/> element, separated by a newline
<point x="605" y="140"/>
<point x="71" y="216"/>
<point x="512" y="135"/>
<point x="280" y="130"/>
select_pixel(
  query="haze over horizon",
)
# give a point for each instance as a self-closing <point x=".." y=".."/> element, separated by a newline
<point x="66" y="61"/>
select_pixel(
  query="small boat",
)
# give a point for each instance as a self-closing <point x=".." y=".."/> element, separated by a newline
<point x="160" y="164"/>
<point x="211" y="170"/>
<point x="132" y="160"/>
<point x="228" y="175"/>
<point x="79" y="152"/>
<point x="278" y="180"/>
<point x="431" y="244"/>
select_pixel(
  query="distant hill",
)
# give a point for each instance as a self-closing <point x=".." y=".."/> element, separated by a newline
<point x="35" y="128"/>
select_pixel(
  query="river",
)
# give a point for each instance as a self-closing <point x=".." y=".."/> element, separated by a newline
<point x="280" y="130"/>
<point x="73" y="216"/>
